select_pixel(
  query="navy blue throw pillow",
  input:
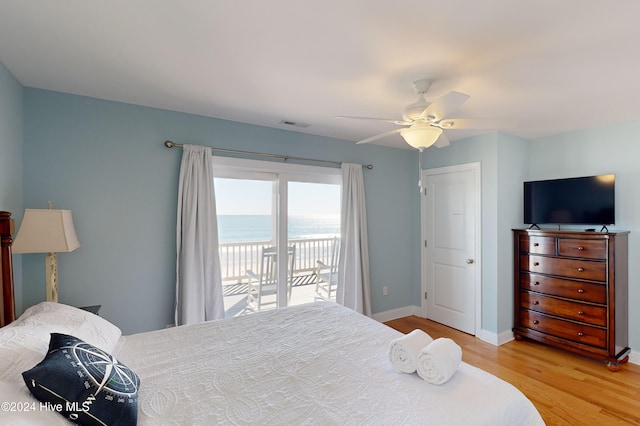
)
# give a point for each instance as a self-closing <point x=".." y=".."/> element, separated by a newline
<point x="85" y="384"/>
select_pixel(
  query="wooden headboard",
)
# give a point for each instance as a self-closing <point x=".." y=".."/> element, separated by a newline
<point x="7" y="307"/>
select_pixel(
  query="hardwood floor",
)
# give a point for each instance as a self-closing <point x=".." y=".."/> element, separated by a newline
<point x="567" y="389"/>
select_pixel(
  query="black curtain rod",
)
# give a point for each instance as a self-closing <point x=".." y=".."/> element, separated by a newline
<point x="170" y="144"/>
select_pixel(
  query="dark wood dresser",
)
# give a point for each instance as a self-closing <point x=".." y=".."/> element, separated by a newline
<point x="571" y="291"/>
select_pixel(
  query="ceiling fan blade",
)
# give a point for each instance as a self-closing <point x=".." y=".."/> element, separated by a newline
<point x="379" y="136"/>
<point x="442" y="141"/>
<point x="386" y="120"/>
<point x="443" y="106"/>
<point x="476" y="123"/>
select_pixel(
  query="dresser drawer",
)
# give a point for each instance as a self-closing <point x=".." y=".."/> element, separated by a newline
<point x="538" y="245"/>
<point x="596" y="315"/>
<point x="596" y="293"/>
<point x="574" y="268"/>
<point x="588" y="249"/>
<point x="588" y="335"/>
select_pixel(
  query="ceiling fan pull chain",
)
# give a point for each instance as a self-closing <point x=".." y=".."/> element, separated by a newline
<point x="420" y="169"/>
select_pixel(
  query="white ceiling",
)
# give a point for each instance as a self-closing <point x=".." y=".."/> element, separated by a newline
<point x="553" y="65"/>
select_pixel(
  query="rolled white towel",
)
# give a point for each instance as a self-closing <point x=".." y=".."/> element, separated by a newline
<point x="403" y="351"/>
<point x="439" y="360"/>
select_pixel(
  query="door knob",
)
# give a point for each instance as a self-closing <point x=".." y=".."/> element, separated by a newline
<point x="469" y="261"/>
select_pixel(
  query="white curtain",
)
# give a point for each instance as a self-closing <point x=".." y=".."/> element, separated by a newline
<point x="198" y="278"/>
<point x="354" y="286"/>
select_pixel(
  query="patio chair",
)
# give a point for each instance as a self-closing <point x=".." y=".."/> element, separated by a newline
<point x="327" y="275"/>
<point x="263" y="286"/>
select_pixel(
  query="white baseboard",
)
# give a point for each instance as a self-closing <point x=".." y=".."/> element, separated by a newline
<point x="396" y="313"/>
<point x="505" y="337"/>
<point x="488" y="336"/>
<point x="494" y="338"/>
<point x="634" y="357"/>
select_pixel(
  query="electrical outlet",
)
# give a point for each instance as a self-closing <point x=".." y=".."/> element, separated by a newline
<point x="385" y="291"/>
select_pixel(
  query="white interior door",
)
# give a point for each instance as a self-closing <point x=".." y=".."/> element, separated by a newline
<point x="450" y="261"/>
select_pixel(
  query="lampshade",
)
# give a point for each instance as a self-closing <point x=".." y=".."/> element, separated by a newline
<point x="421" y="135"/>
<point x="46" y="231"/>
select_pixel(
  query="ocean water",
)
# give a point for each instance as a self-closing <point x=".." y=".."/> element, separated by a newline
<point x="242" y="228"/>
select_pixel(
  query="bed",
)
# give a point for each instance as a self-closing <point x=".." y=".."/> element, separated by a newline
<point x="315" y="364"/>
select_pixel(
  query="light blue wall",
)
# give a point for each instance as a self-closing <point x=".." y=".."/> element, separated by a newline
<point x="106" y="162"/>
<point x="512" y="171"/>
<point x="607" y="149"/>
<point x="11" y="141"/>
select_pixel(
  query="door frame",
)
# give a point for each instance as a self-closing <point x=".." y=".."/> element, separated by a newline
<point x="476" y="168"/>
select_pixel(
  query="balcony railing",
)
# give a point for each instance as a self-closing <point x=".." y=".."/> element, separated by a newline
<point x="236" y="258"/>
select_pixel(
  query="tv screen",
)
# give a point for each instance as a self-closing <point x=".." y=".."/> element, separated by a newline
<point x="577" y="201"/>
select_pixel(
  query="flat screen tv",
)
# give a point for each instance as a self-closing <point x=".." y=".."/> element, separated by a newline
<point x="586" y="200"/>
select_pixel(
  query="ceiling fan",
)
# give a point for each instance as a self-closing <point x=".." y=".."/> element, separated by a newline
<point x="427" y="120"/>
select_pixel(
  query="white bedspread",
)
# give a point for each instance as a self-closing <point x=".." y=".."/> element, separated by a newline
<point x="317" y="364"/>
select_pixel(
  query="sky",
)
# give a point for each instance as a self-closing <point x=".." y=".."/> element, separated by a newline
<point x="242" y="196"/>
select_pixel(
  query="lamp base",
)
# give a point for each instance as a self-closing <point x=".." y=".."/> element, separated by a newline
<point x="51" y="277"/>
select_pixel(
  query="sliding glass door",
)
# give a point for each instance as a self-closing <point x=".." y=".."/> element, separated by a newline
<point x="278" y="225"/>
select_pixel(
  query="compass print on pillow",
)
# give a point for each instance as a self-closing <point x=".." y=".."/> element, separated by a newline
<point x="85" y="384"/>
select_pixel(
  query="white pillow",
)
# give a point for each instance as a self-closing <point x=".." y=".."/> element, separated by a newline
<point x="82" y="324"/>
<point x="23" y="347"/>
<point x="21" y="408"/>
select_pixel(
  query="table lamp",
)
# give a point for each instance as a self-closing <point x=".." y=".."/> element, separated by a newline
<point x="47" y="231"/>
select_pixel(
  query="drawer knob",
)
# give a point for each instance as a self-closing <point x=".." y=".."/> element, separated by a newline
<point x="580" y="248"/>
<point x="536" y="283"/>
<point x="535" y="302"/>
<point x="580" y="333"/>
<point x="536" y="263"/>
<point x="580" y="269"/>
<point x="580" y="290"/>
<point x="536" y="322"/>
<point x="580" y="313"/>
<point x="536" y="244"/>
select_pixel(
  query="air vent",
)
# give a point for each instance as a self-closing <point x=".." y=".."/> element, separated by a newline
<point x="294" y="123"/>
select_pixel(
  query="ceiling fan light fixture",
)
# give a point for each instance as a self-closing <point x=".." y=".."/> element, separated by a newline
<point x="421" y="135"/>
